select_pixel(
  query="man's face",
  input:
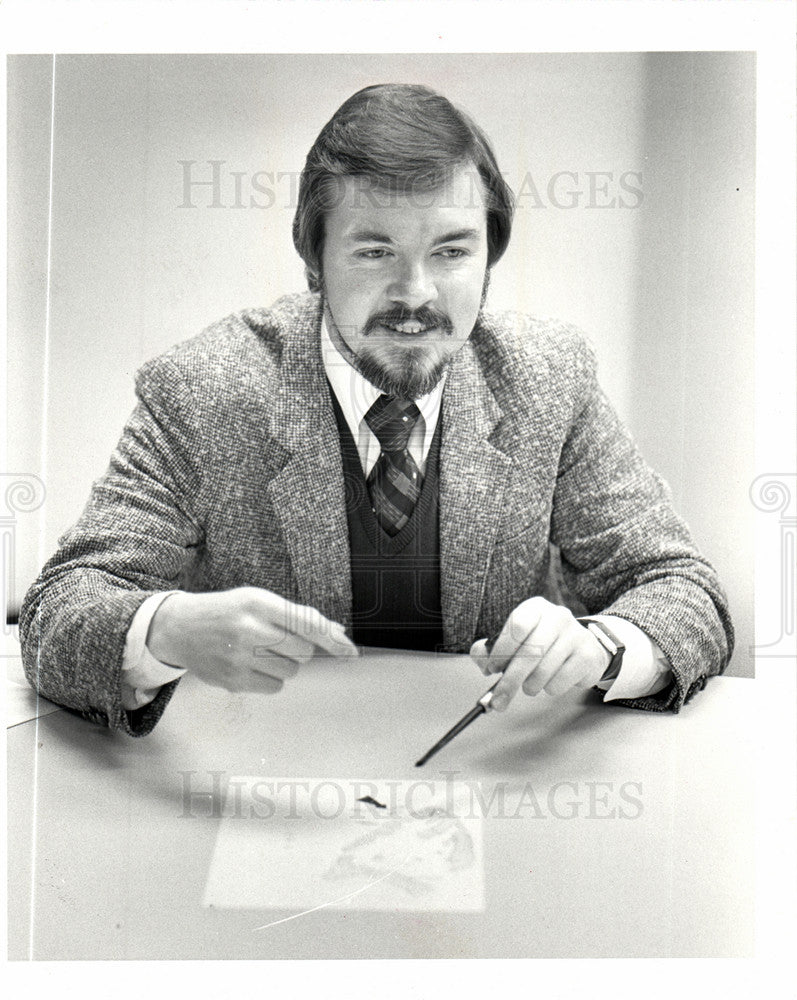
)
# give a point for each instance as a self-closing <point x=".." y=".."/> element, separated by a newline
<point x="403" y="277"/>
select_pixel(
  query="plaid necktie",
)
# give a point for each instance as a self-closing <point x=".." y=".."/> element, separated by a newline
<point x="394" y="482"/>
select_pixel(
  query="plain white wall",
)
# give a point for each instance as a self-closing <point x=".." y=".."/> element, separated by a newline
<point x="635" y="220"/>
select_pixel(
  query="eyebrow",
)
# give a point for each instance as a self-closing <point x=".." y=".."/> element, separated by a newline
<point x="372" y="236"/>
<point x="458" y="235"/>
<point x="369" y="236"/>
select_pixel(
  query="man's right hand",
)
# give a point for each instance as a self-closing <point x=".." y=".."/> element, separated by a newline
<point x="247" y="639"/>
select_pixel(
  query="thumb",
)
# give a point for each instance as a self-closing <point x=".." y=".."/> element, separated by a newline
<point x="480" y="656"/>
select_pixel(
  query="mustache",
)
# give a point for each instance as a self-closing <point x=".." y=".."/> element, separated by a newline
<point x="425" y="316"/>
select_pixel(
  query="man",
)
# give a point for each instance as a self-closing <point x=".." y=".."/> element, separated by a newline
<point x="379" y="460"/>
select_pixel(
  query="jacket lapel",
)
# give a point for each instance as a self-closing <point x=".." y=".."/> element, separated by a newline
<point x="308" y="492"/>
<point x="474" y="473"/>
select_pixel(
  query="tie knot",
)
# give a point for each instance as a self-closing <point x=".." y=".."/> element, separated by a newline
<point x="392" y="421"/>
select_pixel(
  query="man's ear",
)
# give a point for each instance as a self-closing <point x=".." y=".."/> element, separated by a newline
<point x="313" y="277"/>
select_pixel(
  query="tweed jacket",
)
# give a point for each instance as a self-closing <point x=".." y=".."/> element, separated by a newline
<point x="229" y="473"/>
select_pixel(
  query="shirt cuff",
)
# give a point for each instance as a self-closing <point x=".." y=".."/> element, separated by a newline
<point x="644" y="670"/>
<point x="142" y="675"/>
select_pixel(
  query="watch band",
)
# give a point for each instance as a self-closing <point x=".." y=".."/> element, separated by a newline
<point x="610" y="643"/>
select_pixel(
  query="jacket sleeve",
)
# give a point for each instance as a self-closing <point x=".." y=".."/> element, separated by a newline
<point x="625" y="551"/>
<point x="137" y="536"/>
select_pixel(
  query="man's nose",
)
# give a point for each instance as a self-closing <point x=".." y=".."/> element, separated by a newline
<point x="414" y="286"/>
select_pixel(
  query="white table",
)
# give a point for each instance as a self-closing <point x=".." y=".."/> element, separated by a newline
<point x="104" y="863"/>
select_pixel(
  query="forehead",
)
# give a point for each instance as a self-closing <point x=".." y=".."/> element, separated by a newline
<point x="361" y="206"/>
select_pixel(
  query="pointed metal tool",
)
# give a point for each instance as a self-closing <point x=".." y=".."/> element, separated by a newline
<point x="483" y="705"/>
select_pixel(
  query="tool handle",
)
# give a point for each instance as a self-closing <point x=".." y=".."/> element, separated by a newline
<point x="486" y="699"/>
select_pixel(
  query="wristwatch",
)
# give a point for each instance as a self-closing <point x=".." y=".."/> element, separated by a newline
<point x="610" y="643"/>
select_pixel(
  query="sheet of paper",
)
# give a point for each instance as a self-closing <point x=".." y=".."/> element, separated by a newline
<point x="303" y="844"/>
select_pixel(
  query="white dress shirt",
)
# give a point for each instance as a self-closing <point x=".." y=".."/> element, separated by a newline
<point x="644" y="671"/>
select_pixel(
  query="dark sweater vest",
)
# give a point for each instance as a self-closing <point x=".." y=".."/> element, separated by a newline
<point x="395" y="580"/>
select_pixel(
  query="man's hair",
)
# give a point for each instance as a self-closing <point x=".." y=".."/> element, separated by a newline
<point x="404" y="139"/>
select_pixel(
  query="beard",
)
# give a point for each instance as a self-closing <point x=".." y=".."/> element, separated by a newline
<point x="409" y="374"/>
<point x="406" y="373"/>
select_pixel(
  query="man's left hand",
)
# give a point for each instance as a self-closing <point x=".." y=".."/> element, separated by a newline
<point x="542" y="647"/>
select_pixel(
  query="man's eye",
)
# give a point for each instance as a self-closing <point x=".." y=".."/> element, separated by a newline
<point x="452" y="253"/>
<point x="375" y="253"/>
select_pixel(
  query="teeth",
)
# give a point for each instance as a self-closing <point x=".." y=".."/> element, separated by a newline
<point x="409" y="328"/>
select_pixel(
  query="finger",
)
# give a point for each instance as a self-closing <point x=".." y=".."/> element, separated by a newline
<point x="583" y="667"/>
<point x="243" y="679"/>
<point x="327" y="636"/>
<point x="522" y="664"/>
<point x="271" y="664"/>
<point x="307" y="622"/>
<point x="549" y="665"/>
<point x="517" y="628"/>
<point x="568" y="676"/>
<point x="578" y="660"/>
<point x="275" y="640"/>
<point x="259" y="683"/>
<point x="480" y="656"/>
<point x="552" y="622"/>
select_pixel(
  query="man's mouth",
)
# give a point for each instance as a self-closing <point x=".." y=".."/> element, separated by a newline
<point x="403" y="323"/>
<point x="411" y="329"/>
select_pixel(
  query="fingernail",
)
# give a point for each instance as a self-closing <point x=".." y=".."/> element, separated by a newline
<point x="499" y="702"/>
